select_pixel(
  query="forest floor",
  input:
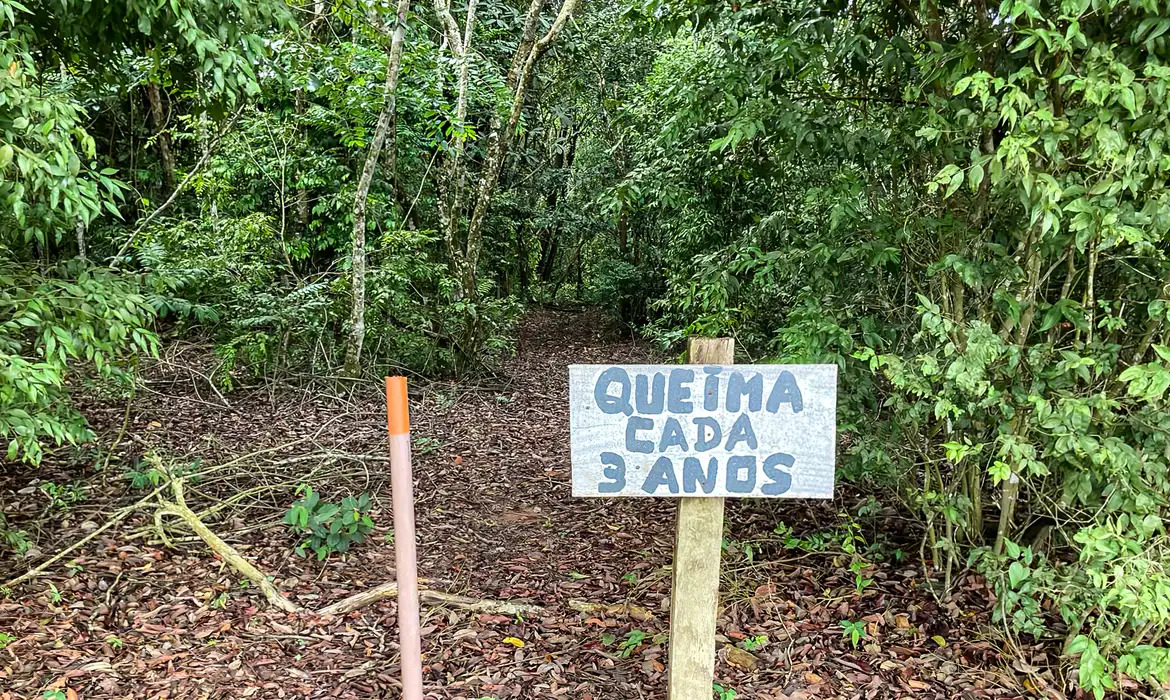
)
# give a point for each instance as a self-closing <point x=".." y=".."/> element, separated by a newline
<point x="125" y="617"/>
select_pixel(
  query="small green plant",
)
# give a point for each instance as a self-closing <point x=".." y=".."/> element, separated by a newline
<point x="632" y="641"/>
<point x="144" y="478"/>
<point x="861" y="583"/>
<point x="424" y="445"/>
<point x="853" y="630"/>
<point x="723" y="693"/>
<point x="630" y="578"/>
<point x="5" y="640"/>
<point x="54" y="594"/>
<point x="220" y="601"/>
<point x="114" y="642"/>
<point x="14" y="538"/>
<point x="331" y="527"/>
<point x="756" y="642"/>
<point x="54" y="695"/>
<point x="747" y="548"/>
<point x="62" y="496"/>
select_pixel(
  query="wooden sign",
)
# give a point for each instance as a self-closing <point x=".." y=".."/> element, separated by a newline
<point x="761" y="431"/>
<point x="702" y="432"/>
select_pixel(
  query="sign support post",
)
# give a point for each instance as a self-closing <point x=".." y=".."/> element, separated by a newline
<point x="405" y="552"/>
<point x="698" y="550"/>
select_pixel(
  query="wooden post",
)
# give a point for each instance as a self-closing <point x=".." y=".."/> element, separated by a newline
<point x="694" y="598"/>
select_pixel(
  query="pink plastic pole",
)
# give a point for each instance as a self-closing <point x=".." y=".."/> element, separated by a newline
<point x="405" y="552"/>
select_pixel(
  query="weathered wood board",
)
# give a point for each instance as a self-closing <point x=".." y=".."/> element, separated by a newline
<point x="763" y="431"/>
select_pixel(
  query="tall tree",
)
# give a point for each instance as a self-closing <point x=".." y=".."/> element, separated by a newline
<point x="357" y="314"/>
<point x="464" y="242"/>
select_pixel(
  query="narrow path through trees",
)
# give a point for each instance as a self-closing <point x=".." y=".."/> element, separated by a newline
<point x="129" y="617"/>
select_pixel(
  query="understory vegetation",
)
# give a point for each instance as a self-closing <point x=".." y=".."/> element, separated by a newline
<point x="963" y="206"/>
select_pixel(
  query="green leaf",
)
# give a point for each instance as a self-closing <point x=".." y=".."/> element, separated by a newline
<point x="955" y="183"/>
<point x="1017" y="574"/>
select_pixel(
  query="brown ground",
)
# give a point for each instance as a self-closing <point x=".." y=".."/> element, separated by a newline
<point x="132" y="619"/>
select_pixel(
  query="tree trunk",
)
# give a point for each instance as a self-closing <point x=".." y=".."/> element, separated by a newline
<point x="1010" y="491"/>
<point x="623" y="229"/>
<point x="522" y="271"/>
<point x="162" y="137"/>
<point x="357" y="316"/>
<point x="464" y="252"/>
<point x="79" y="229"/>
<point x="302" y="195"/>
<point x="500" y="138"/>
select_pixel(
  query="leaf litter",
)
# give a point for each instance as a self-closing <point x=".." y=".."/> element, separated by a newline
<point x="125" y="617"/>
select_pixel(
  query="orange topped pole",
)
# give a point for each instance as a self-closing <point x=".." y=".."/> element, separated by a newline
<point x="405" y="552"/>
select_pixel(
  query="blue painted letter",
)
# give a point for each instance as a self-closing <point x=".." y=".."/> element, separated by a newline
<point x="608" y="403"/>
<point x="649" y="396"/>
<point x="678" y="394"/>
<point x="711" y="387"/>
<point x="781" y="480"/>
<point x="633" y="425"/>
<point x="693" y="475"/>
<point x="742" y="431"/>
<point x="662" y="473"/>
<point x="741" y="474"/>
<point x="702" y="441"/>
<point x="737" y="386"/>
<point x="672" y="436"/>
<point x="785" y="390"/>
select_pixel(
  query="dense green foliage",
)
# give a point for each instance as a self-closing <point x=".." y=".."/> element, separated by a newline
<point x="963" y="206"/>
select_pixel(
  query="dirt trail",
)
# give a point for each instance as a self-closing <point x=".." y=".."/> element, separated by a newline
<point x="495" y="520"/>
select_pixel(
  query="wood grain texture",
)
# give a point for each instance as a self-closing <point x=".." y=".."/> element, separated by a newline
<point x="694" y="599"/>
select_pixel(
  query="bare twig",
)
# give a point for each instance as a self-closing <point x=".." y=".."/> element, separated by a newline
<point x="114" y="519"/>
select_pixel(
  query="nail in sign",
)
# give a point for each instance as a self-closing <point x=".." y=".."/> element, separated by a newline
<point x="760" y="431"/>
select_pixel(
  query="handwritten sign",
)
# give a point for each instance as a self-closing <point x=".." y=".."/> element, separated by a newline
<point x="763" y="431"/>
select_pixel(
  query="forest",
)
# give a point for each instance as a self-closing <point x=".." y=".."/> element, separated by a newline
<point x="222" y="222"/>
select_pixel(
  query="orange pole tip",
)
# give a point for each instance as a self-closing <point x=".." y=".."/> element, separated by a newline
<point x="397" y="410"/>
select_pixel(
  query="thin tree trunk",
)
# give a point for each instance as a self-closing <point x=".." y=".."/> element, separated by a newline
<point x="499" y="139"/>
<point x="302" y="195"/>
<point x="357" y="322"/>
<point x="1010" y="491"/>
<point x="162" y="137"/>
<point x="548" y="256"/>
<point x="522" y="268"/>
<point x="79" y="229"/>
<point x="451" y="187"/>
<point x="623" y="229"/>
<point x="464" y="254"/>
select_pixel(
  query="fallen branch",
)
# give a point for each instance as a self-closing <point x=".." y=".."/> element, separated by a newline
<point x="223" y="549"/>
<point x="435" y="598"/>
<point x="629" y="610"/>
<point x="178" y="508"/>
<point x="362" y="599"/>
<point x="480" y="605"/>
<point x="274" y="597"/>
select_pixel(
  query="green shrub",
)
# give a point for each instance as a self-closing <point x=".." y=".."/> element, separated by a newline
<point x="331" y="527"/>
